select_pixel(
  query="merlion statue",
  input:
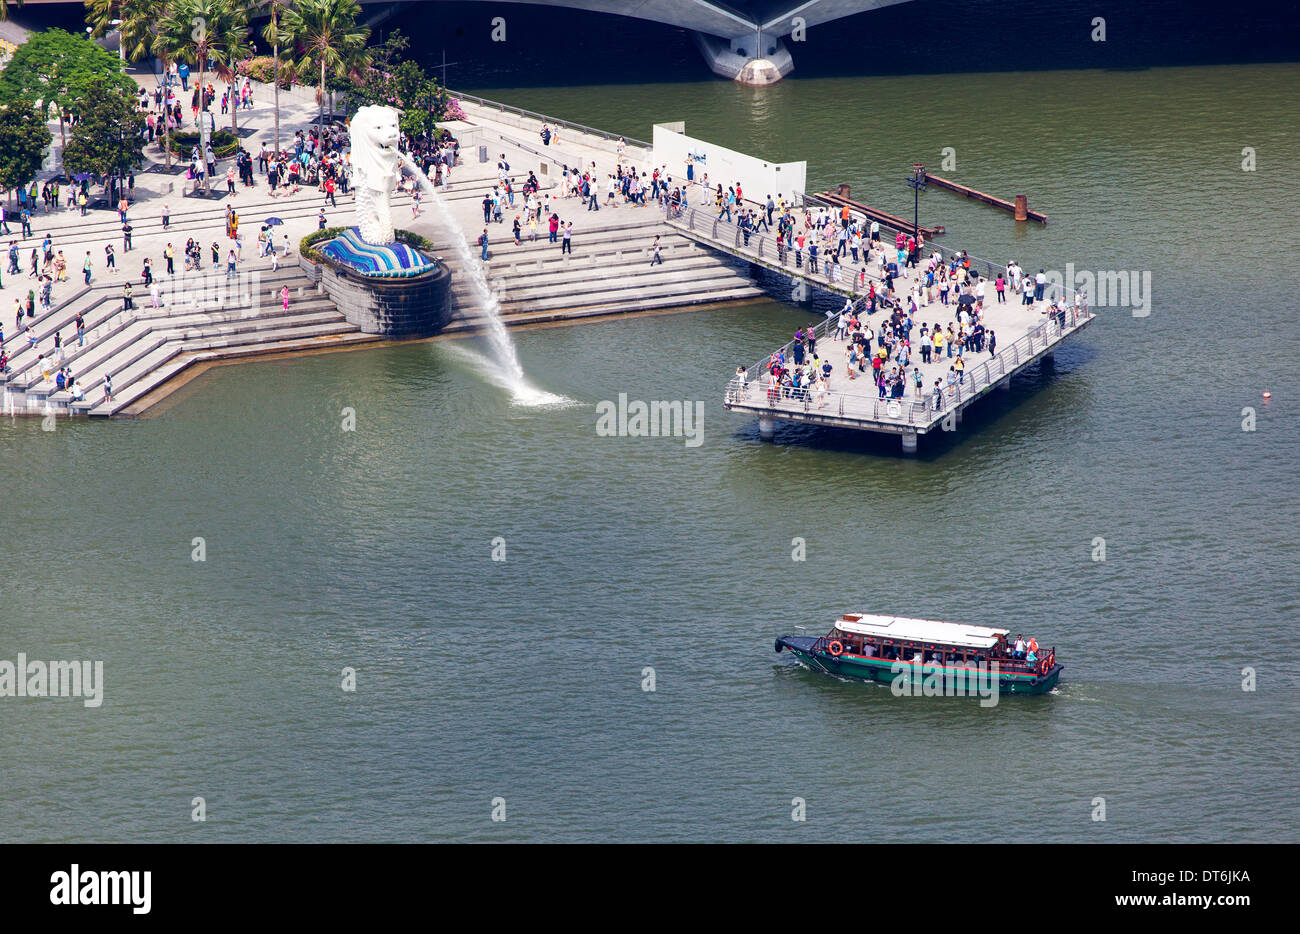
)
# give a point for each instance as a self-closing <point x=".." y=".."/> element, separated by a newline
<point x="375" y="170"/>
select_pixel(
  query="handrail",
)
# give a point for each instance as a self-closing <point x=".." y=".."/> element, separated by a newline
<point x="991" y="269"/>
<point x="1056" y="328"/>
<point x="770" y="248"/>
<point x="508" y="108"/>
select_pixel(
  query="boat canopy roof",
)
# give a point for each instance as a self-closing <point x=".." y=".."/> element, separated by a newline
<point x="921" y="630"/>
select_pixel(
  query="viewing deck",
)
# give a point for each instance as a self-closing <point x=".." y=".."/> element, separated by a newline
<point x="1026" y="336"/>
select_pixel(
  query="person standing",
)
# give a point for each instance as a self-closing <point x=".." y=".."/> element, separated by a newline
<point x="567" y="245"/>
<point x="657" y="256"/>
<point x="483" y="245"/>
<point x="108" y="387"/>
<point x="284" y="296"/>
<point x="128" y="302"/>
<point x="126" y="238"/>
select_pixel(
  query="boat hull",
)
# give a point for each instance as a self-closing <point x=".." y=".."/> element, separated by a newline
<point x="886" y="671"/>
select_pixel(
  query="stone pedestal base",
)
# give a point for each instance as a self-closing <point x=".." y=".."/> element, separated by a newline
<point x="414" y="306"/>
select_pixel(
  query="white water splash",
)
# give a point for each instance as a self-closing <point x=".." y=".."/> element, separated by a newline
<point x="501" y="364"/>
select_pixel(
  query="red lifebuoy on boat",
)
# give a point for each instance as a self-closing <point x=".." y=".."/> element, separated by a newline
<point x="836" y="648"/>
<point x="1051" y="660"/>
<point x="1043" y="667"/>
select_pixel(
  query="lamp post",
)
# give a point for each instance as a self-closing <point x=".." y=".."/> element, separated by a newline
<point x="916" y="182"/>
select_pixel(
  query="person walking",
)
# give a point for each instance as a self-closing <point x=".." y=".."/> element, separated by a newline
<point x="85" y="268"/>
<point x="126" y="238"/>
<point x="284" y="296"/>
<point x="657" y="257"/>
<point x="483" y="245"/>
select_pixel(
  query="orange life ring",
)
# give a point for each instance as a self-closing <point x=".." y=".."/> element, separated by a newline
<point x="1043" y="667"/>
<point x="836" y="648"/>
<point x="1051" y="660"/>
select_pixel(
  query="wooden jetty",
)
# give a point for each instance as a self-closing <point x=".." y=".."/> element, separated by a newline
<point x="840" y="197"/>
<point x="1019" y="209"/>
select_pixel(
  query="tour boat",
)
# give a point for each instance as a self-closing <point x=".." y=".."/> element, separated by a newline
<point x="925" y="652"/>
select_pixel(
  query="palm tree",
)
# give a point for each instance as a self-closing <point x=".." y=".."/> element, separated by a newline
<point x="271" y="32"/>
<point x="327" y="38"/>
<point x="138" y="36"/>
<point x="4" y="8"/>
<point x="203" y="33"/>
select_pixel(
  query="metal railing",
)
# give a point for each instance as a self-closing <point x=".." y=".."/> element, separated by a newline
<point x="922" y="411"/>
<point x="985" y="267"/>
<point x="556" y="121"/>
<point x="768" y="248"/>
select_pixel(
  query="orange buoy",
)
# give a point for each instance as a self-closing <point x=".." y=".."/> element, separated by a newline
<point x="1268" y="395"/>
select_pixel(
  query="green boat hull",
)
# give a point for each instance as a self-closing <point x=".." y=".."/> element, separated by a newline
<point x="953" y="680"/>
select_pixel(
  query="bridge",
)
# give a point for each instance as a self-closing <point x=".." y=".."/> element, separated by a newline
<point x="742" y="39"/>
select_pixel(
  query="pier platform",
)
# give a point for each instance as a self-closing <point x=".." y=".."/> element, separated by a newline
<point x="1025" y="336"/>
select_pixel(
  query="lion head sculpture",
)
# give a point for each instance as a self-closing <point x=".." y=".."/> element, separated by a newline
<point x="374" y="133"/>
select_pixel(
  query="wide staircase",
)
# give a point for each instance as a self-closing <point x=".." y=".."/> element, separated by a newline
<point x="609" y="272"/>
<point x="143" y="348"/>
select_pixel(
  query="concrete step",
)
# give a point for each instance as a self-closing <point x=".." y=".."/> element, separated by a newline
<point x="682" y="292"/>
<point x="474" y="322"/>
<point x="102" y="311"/>
<point x="226" y="329"/>
<point x="663" y="277"/>
<point x="116" y="355"/>
<point x="558" y="272"/>
<point x="141" y="376"/>
<point x="288" y="331"/>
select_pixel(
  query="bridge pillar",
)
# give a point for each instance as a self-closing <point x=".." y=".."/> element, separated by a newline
<point x="752" y="59"/>
<point x="1005" y="385"/>
<point x="909" y="442"/>
<point x="766" y="427"/>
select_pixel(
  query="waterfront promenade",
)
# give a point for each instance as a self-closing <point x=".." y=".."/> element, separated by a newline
<point x="145" y="349"/>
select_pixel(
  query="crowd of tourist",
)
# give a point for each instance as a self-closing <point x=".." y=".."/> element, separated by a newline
<point x="892" y="352"/>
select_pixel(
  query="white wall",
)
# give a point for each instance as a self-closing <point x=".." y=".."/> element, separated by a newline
<point x="725" y="166"/>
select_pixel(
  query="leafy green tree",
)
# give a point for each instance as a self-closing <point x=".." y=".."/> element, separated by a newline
<point x="392" y="81"/>
<point x="108" y="137"/>
<point x="59" y="69"/>
<point x="138" y="34"/>
<point x="273" y="34"/>
<point x="24" y="137"/>
<point x="327" y="39"/>
<point x="207" y="33"/>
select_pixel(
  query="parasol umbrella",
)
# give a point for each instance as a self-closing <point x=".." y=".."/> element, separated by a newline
<point x="966" y="300"/>
<point x="272" y="222"/>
